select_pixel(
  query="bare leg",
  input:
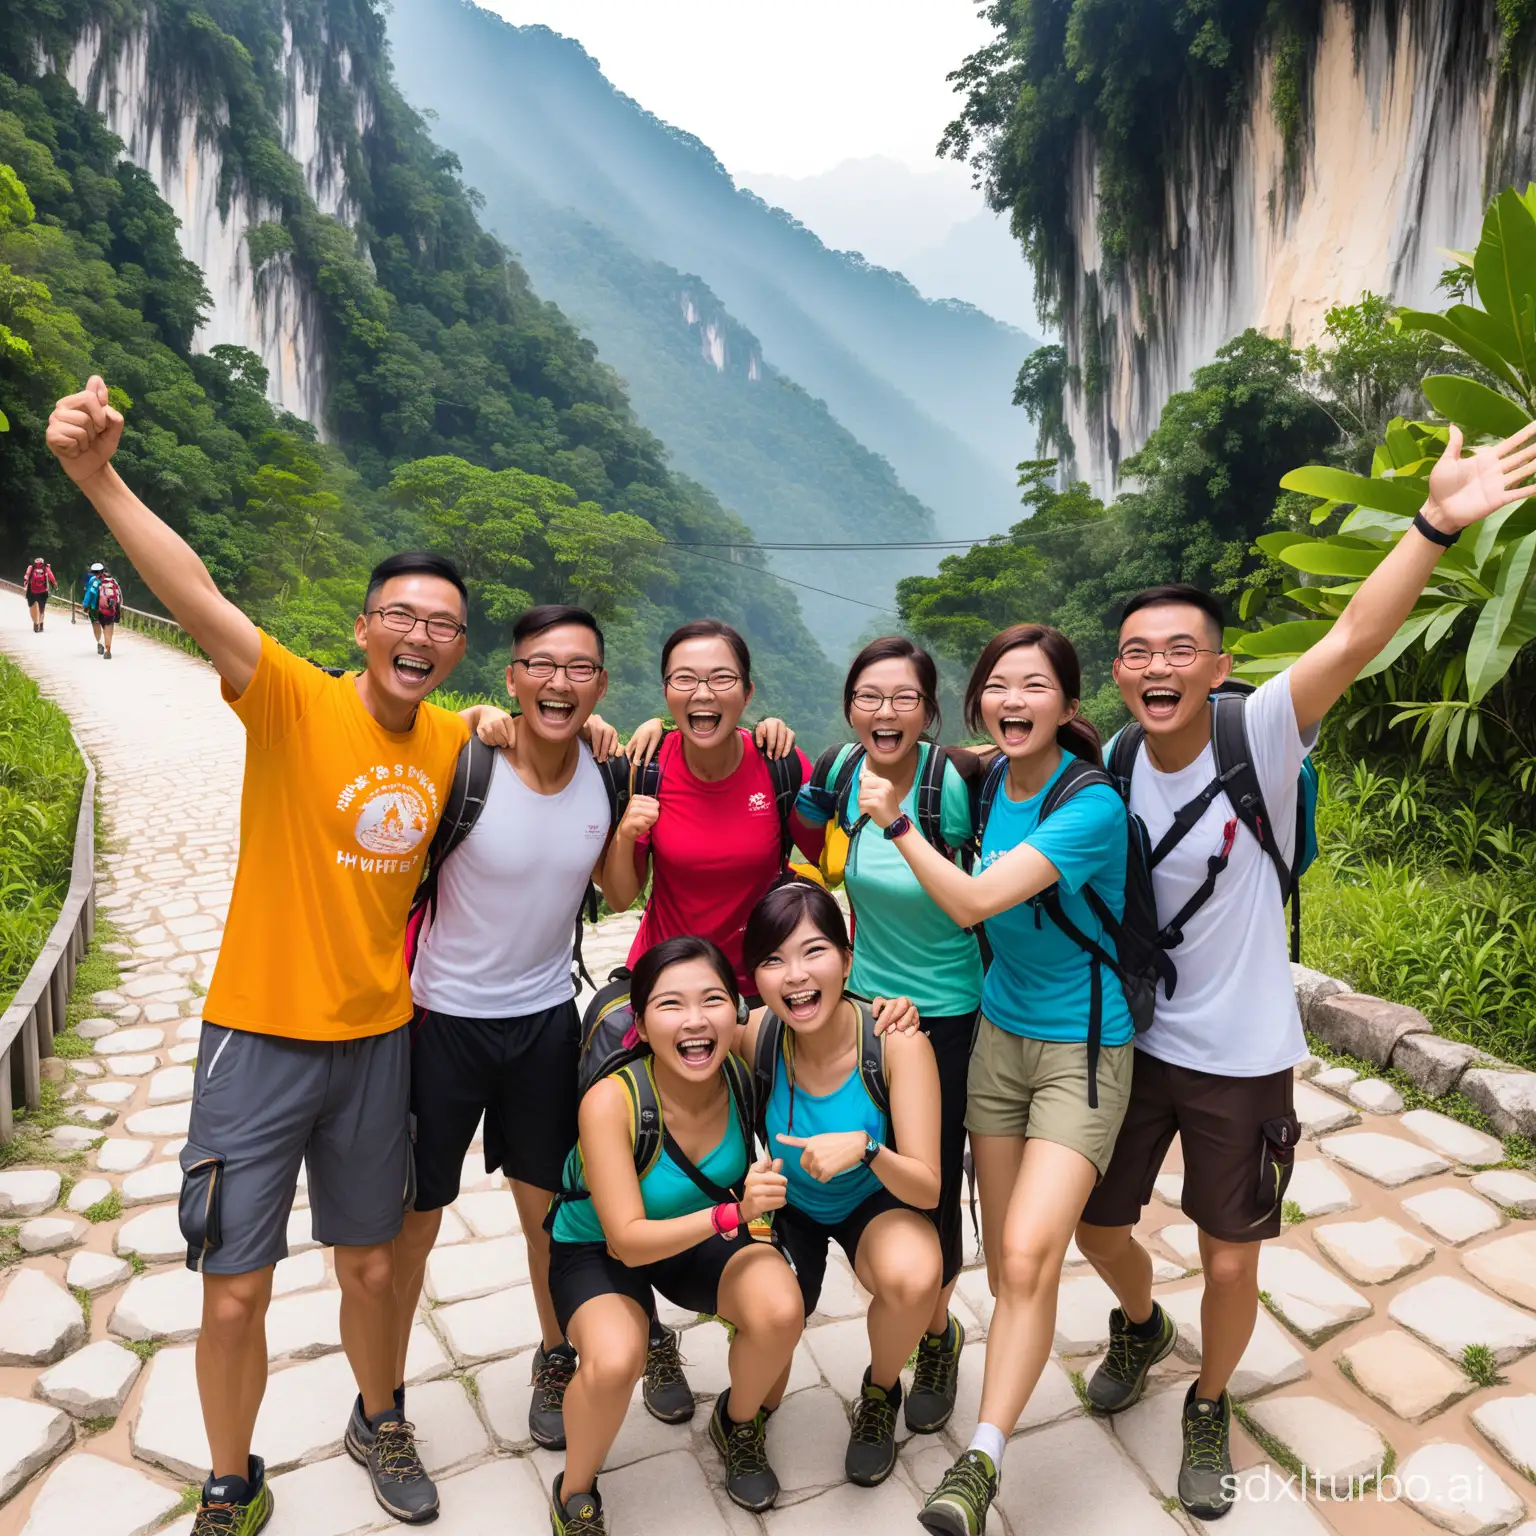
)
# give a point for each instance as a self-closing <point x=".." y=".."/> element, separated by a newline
<point x="1228" y="1310"/>
<point x="609" y="1333"/>
<point x="899" y="1264"/>
<point x="412" y="1247"/>
<point x="106" y="634"/>
<point x="760" y="1295"/>
<point x="232" y="1364"/>
<point x="997" y="1171"/>
<point x="1123" y="1265"/>
<point x="367" y="1280"/>
<point x="532" y="1203"/>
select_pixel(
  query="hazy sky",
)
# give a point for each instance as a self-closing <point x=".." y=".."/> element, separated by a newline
<point x="787" y="86"/>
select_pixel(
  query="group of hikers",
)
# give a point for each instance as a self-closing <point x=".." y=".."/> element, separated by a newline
<point x="1067" y="962"/>
<point x="101" y="599"/>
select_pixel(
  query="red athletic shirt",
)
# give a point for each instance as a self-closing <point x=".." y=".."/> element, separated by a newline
<point x="714" y="852"/>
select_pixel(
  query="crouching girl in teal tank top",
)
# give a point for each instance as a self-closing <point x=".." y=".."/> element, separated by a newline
<point x="840" y="1102"/>
<point x="663" y="1231"/>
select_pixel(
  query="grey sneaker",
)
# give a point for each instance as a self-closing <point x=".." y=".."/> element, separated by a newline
<point x="959" y="1505"/>
<point x="1206" y="1485"/>
<point x="1122" y="1375"/>
<point x="871" y="1456"/>
<point x="749" y="1480"/>
<point x="388" y="1450"/>
<point x="667" y="1395"/>
<point x="552" y="1372"/>
<point x="935" y="1378"/>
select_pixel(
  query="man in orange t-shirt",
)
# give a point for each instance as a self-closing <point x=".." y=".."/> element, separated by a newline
<point x="304" y="1055"/>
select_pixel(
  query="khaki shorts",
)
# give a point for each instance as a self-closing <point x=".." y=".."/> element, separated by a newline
<point x="1039" y="1089"/>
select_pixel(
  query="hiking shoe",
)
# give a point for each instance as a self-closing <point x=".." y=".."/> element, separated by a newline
<point x="101" y="650"/>
<point x="235" y="1506"/>
<point x="579" y="1515"/>
<point x="388" y="1450"/>
<point x="552" y="1372"/>
<point x="668" y="1396"/>
<point x="1122" y="1375"/>
<point x="1206" y="1485"/>
<point x="749" y="1479"/>
<point x="959" y="1505"/>
<point x="872" y="1442"/>
<point x="935" y="1378"/>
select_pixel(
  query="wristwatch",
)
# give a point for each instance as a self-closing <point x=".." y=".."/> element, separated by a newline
<point x="900" y="827"/>
<point x="871" y="1150"/>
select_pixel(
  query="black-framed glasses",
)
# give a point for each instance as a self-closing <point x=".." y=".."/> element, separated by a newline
<point x="903" y="701"/>
<point x="542" y="668"/>
<point x="439" y="626"/>
<point x="721" y="680"/>
<point x="1139" y="657"/>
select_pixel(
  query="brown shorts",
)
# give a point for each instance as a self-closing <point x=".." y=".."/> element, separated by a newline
<point x="1218" y="1122"/>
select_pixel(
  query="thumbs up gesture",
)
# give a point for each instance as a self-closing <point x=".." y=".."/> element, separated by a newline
<point x="766" y="1189"/>
<point x="84" y="431"/>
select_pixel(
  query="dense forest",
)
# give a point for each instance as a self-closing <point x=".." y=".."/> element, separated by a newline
<point x="465" y="413"/>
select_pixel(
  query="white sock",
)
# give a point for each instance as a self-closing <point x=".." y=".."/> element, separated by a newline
<point x="991" y="1441"/>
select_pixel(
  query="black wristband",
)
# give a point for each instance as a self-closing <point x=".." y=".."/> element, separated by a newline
<point x="1433" y="534"/>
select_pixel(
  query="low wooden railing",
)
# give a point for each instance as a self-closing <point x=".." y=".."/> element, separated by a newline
<point x="155" y="624"/>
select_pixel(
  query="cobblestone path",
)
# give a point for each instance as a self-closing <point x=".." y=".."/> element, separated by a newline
<point x="1407" y="1254"/>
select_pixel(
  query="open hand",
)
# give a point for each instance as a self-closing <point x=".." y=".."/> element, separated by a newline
<point x="642" y="746"/>
<point x="84" y="431"/>
<point x="774" y="738"/>
<point x="766" y="1189"/>
<point x="877" y="798"/>
<point x="1463" y="491"/>
<point x="831" y="1153"/>
<point x="600" y="737"/>
<point x="898" y="1013"/>
<point x="495" y="727"/>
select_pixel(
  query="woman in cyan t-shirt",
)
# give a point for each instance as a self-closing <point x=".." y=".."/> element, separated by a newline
<point x="1043" y="1113"/>
<point x="904" y="942"/>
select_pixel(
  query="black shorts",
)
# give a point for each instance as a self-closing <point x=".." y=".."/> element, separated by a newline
<point x="519" y="1073"/>
<point x="579" y="1272"/>
<point x="805" y="1239"/>
<point x="952" y="1038"/>
<point x="1218" y="1121"/>
<point x="37" y="599"/>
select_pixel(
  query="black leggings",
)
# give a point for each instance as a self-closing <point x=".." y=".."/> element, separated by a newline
<point x="951" y="1038"/>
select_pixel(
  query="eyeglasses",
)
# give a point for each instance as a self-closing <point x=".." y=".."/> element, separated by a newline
<point x="1031" y="690"/>
<point x="721" y="680"/>
<point x="1139" y="657"/>
<point x="439" y="627"/>
<point x="541" y="668"/>
<point x="904" y="701"/>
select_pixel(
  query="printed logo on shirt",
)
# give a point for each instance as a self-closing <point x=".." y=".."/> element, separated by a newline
<point x="392" y="817"/>
<point x="596" y="829"/>
<point x="392" y="820"/>
<point x="757" y="801"/>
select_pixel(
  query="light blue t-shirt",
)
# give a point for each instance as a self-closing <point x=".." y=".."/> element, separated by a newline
<point x="1040" y="982"/>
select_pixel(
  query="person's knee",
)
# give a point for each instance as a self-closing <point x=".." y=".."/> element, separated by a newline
<point x="234" y="1304"/>
<point x="1232" y="1267"/>
<point x="366" y="1272"/>
<point x="615" y="1367"/>
<point x="913" y="1280"/>
<point x="1102" y="1245"/>
<point x="418" y="1233"/>
<point x="1022" y="1272"/>
<point x="775" y="1310"/>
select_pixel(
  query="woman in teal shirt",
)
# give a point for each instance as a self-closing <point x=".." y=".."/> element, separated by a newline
<point x="905" y="943"/>
<point x="1043" y="1112"/>
<point x="661" y="1230"/>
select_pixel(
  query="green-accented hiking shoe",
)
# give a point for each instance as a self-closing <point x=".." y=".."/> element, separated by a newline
<point x="871" y="1456"/>
<point x="235" y="1506"/>
<point x="388" y="1450"/>
<point x="935" y="1378"/>
<point x="1122" y="1375"/>
<point x="749" y="1479"/>
<point x="579" y="1515"/>
<point x="1206" y="1484"/>
<point x="552" y="1372"/>
<point x="666" y="1392"/>
<point x="959" y="1505"/>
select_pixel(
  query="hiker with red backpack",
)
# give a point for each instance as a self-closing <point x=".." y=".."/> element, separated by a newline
<point x="106" y="608"/>
<point x="37" y="582"/>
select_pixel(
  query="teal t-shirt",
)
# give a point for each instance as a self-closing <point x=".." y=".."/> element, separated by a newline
<point x="903" y="942"/>
<point x="1040" y="982"/>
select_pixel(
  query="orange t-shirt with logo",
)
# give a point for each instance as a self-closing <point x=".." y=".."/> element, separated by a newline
<point x="336" y="815"/>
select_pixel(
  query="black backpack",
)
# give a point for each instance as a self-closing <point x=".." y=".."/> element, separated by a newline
<point x="1140" y="962"/>
<point x="772" y="1052"/>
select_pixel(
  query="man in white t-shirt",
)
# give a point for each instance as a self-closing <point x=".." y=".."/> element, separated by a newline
<point x="1215" y="1067"/>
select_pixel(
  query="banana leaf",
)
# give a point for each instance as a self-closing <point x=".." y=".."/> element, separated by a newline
<point x="1505" y="268"/>
<point x="1478" y="410"/>
<point x="1478" y="347"/>
<point x="1289" y="639"/>
<point x="1496" y="638"/>
<point x="1322" y="557"/>
<point x="1404" y="497"/>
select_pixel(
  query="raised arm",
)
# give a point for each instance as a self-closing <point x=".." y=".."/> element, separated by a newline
<point x="1462" y="491"/>
<point x="83" y="434"/>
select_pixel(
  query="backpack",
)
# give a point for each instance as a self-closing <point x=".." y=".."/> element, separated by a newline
<point x="773" y="1048"/>
<point x="109" y="599"/>
<point x="37" y="580"/>
<point x="1236" y="775"/>
<point x="1140" y="961"/>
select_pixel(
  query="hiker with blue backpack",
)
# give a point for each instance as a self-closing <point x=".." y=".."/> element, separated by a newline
<point x="1218" y="777"/>
<point x="903" y="941"/>
<point x="1050" y="1072"/>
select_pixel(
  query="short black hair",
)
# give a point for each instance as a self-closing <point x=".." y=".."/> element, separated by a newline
<point x="551" y="616"/>
<point x="1178" y="592"/>
<point x="709" y="629"/>
<point x="416" y="562"/>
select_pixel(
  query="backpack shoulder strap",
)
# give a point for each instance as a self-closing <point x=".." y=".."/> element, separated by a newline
<point x="466" y="799"/>
<point x="767" y="1056"/>
<point x="645" y="1125"/>
<point x="615" y="774"/>
<point x="930" y="798"/>
<point x="872" y="1061"/>
<point x="1123" y="751"/>
<point x="989" y="791"/>
<point x="786" y="774"/>
<point x="742" y="1082"/>
<point x="1234" y="765"/>
<point x="1077" y="776"/>
<point x="842" y="787"/>
<point x="645" y="778"/>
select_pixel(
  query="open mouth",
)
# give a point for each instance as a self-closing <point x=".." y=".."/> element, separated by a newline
<point x="414" y="671"/>
<point x="704" y="722"/>
<point x="698" y="1052"/>
<point x="1161" y="703"/>
<point x="887" y="741"/>
<point x="556" y="711"/>
<point x="803" y="1005"/>
<point x="1016" y="730"/>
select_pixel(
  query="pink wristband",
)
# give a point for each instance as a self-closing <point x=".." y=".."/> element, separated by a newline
<point x="726" y="1217"/>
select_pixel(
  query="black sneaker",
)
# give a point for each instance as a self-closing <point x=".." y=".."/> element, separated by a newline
<point x="579" y="1515"/>
<point x="871" y="1454"/>
<point x="101" y="650"/>
<point x="749" y="1479"/>
<point x="1206" y="1485"/>
<point x="668" y="1396"/>
<point x="1122" y="1374"/>
<point x="552" y="1372"/>
<point x="935" y="1378"/>
<point x="235" y="1506"/>
<point x="388" y="1450"/>
<point x="959" y="1505"/>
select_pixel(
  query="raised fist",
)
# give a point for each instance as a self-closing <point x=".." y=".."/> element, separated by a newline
<point x="84" y="431"/>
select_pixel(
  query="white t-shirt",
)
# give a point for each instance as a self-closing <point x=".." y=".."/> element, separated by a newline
<point x="499" y="945"/>
<point x="1234" y="1006"/>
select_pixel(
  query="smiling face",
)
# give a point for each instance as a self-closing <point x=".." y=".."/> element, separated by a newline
<point x="802" y="980"/>
<point x="689" y="1020"/>
<point x="1166" y="699"/>
<point x="406" y="665"/>
<point x="556" y="707"/>
<point x="708" y="713"/>
<point x="888" y="732"/>
<point x="1022" y="705"/>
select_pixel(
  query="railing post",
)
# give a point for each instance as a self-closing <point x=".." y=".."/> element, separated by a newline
<point x="7" y="1104"/>
<point x="31" y="1063"/>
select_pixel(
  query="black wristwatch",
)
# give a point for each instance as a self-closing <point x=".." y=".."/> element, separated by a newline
<point x="899" y="827"/>
<point x="871" y="1150"/>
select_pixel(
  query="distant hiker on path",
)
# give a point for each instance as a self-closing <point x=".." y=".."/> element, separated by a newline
<point x="90" y="584"/>
<point x="38" y="581"/>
